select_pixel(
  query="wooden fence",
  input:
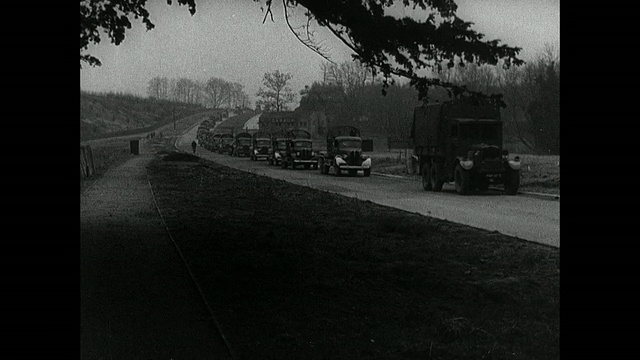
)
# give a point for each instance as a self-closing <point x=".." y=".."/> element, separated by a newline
<point x="86" y="162"/>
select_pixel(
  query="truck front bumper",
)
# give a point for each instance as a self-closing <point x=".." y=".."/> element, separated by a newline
<point x="300" y="161"/>
<point x="354" y="167"/>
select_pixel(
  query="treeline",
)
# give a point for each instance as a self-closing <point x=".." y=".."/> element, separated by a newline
<point x="113" y="113"/>
<point x="214" y="93"/>
<point x="350" y="94"/>
<point x="531" y="93"/>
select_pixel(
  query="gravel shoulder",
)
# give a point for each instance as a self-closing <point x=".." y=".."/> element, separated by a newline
<point x="137" y="299"/>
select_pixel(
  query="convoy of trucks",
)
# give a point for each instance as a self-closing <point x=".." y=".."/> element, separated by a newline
<point x="461" y="141"/>
<point x="344" y="152"/>
<point x="457" y="141"/>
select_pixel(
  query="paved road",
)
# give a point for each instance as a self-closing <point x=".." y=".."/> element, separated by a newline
<point x="524" y="217"/>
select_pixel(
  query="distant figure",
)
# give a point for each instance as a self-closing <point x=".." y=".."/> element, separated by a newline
<point x="194" y="144"/>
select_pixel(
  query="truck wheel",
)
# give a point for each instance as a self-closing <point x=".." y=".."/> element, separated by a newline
<point x="426" y="180"/>
<point x="293" y="165"/>
<point x="435" y="177"/>
<point x="338" y="172"/>
<point x="367" y="172"/>
<point x="511" y="181"/>
<point x="284" y="164"/>
<point x="270" y="161"/>
<point x="321" y="166"/>
<point x="462" y="180"/>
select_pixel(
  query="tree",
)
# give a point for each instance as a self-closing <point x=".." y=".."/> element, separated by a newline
<point x="393" y="46"/>
<point x="216" y="94"/>
<point x="277" y="94"/>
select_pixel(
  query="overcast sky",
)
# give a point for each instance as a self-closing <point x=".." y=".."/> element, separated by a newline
<point x="227" y="39"/>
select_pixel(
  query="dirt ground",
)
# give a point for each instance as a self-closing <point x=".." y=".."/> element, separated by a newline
<point x="297" y="273"/>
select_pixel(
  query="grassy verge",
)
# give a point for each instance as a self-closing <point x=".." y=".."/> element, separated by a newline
<point x="298" y="273"/>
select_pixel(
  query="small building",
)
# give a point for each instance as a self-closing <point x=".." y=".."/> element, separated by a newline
<point x="275" y="121"/>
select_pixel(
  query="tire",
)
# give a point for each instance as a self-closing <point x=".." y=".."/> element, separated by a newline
<point x="270" y="161"/>
<point x="511" y="181"/>
<point x="435" y="177"/>
<point x="338" y="171"/>
<point x="463" y="182"/>
<point x="284" y="164"/>
<point x="353" y="172"/>
<point x="426" y="180"/>
<point x="321" y="166"/>
<point x="293" y="165"/>
<point x="367" y="172"/>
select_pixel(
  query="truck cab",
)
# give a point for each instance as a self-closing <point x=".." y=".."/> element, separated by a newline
<point x="260" y="146"/>
<point x="278" y="148"/>
<point x="226" y="144"/>
<point x="344" y="152"/>
<point x="299" y="150"/>
<point x="242" y="145"/>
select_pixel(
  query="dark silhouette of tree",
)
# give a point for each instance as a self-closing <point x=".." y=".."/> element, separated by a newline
<point x="391" y="46"/>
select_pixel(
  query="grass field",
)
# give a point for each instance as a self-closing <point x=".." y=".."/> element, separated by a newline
<point x="296" y="273"/>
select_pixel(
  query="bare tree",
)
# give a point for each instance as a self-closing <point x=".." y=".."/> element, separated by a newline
<point x="216" y="92"/>
<point x="277" y="94"/>
<point x="154" y="89"/>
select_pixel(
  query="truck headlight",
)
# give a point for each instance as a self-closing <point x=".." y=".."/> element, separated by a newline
<point x="367" y="162"/>
<point x="277" y="155"/>
<point x="466" y="164"/>
<point x="340" y="161"/>
<point x="515" y="163"/>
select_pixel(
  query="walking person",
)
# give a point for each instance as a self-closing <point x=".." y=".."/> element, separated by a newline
<point x="194" y="144"/>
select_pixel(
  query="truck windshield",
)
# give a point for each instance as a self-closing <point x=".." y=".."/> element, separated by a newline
<point x="244" y="142"/>
<point x="281" y="145"/>
<point x="302" y="144"/>
<point x="480" y="132"/>
<point x="350" y="144"/>
<point x="261" y="143"/>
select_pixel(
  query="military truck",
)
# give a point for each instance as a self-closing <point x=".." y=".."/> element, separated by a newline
<point x="242" y="145"/>
<point x="226" y="143"/>
<point x="278" y="147"/>
<point x="461" y="141"/>
<point x="344" y="152"/>
<point x="298" y="150"/>
<point x="260" y="146"/>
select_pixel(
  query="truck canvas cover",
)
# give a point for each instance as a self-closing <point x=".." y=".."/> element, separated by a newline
<point x="343" y="131"/>
<point x="426" y="121"/>
<point x="298" y="134"/>
<point x="430" y="122"/>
